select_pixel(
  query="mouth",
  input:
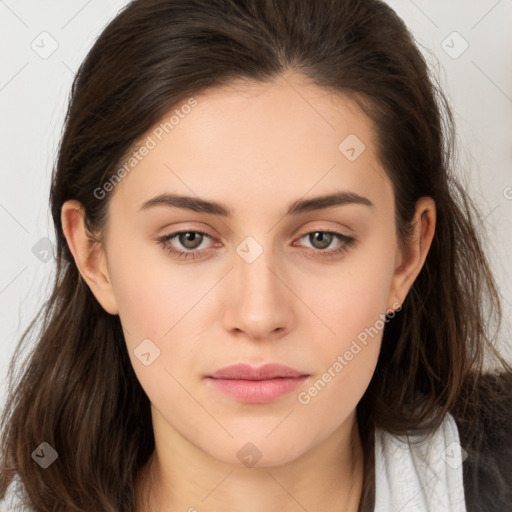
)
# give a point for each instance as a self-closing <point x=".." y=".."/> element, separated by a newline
<point x="263" y="384"/>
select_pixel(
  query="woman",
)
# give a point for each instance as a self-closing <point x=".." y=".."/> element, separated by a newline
<point x="270" y="292"/>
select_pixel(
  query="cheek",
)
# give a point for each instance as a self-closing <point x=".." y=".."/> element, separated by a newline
<point x="154" y="295"/>
<point x="353" y="297"/>
<point x="161" y="302"/>
<point x="153" y="311"/>
<point x="145" y="302"/>
<point x="352" y="306"/>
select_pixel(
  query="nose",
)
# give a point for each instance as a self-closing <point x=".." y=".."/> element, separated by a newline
<point x="260" y="302"/>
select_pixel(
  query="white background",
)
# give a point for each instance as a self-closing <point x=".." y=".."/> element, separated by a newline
<point x="34" y="93"/>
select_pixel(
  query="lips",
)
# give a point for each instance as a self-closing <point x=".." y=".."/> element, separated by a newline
<point x="264" y="384"/>
<point x="248" y="372"/>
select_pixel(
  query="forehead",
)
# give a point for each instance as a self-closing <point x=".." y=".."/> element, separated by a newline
<point x="252" y="143"/>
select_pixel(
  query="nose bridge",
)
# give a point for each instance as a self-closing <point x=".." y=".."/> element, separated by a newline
<point x="258" y="305"/>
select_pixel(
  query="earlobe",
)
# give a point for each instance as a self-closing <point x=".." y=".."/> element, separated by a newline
<point x="89" y="255"/>
<point x="411" y="259"/>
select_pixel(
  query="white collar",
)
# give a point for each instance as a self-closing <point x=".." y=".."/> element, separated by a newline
<point x="422" y="477"/>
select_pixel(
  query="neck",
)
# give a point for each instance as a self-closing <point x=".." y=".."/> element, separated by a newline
<point x="179" y="476"/>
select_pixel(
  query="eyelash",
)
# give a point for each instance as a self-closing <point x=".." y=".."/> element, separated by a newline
<point x="348" y="242"/>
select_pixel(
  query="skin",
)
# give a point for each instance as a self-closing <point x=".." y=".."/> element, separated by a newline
<point x="255" y="148"/>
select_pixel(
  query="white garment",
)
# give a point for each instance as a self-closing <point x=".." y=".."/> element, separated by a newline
<point x="12" y="501"/>
<point x="422" y="477"/>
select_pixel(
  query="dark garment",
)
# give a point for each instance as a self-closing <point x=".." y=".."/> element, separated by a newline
<point x="485" y="433"/>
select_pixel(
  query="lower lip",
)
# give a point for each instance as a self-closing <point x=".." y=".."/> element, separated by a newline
<point x="257" y="391"/>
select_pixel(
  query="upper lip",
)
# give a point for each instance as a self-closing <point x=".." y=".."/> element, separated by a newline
<point x="248" y="372"/>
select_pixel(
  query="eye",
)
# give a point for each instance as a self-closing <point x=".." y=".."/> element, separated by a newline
<point x="189" y="240"/>
<point x="320" y="240"/>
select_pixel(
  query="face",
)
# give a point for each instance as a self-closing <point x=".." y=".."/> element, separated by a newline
<point x="266" y="275"/>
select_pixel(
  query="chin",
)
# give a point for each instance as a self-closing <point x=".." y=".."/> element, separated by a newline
<point x="259" y="451"/>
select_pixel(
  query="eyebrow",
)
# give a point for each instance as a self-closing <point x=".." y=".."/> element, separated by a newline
<point x="296" y="208"/>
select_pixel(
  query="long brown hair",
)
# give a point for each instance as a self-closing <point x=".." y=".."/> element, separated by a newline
<point x="76" y="390"/>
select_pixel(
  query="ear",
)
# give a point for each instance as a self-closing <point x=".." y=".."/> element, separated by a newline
<point x="88" y="254"/>
<point x="410" y="259"/>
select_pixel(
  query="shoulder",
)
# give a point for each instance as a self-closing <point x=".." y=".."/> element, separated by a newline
<point x="484" y="421"/>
